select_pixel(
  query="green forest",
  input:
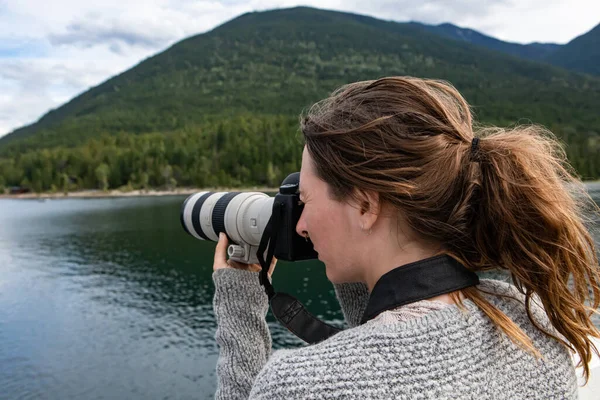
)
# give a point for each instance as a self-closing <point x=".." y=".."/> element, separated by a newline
<point x="221" y="108"/>
<point x="240" y="151"/>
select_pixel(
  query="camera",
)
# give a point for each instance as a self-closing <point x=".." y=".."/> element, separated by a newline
<point x="249" y="217"/>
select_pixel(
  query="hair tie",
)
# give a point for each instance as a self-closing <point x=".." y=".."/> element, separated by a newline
<point x="474" y="148"/>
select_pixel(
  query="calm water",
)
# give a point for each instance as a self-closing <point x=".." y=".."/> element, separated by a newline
<point x="110" y="299"/>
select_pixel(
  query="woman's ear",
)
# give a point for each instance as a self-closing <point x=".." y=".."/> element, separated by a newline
<point x="365" y="206"/>
<point x="369" y="202"/>
<point x="369" y="205"/>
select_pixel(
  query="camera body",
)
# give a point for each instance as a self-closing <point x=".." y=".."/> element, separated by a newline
<point x="244" y="217"/>
<point x="290" y="246"/>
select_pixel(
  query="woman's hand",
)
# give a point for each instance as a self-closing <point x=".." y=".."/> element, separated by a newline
<point x="221" y="260"/>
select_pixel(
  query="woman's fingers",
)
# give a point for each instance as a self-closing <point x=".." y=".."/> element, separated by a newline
<point x="272" y="266"/>
<point x="221" y="253"/>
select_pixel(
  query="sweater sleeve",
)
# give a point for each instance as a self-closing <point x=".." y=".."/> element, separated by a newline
<point x="240" y="305"/>
<point x="353" y="299"/>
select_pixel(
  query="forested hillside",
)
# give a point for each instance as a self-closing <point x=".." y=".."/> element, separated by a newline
<point x="222" y="108"/>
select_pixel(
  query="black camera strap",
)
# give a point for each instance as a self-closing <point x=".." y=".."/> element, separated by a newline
<point x="403" y="285"/>
<point x="287" y="309"/>
<point x="416" y="281"/>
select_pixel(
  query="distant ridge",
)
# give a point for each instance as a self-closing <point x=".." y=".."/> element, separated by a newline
<point x="278" y="62"/>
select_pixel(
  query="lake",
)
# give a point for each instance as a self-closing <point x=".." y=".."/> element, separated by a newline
<point x="111" y="299"/>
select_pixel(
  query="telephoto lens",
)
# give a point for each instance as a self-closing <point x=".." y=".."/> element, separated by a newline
<point x="243" y="217"/>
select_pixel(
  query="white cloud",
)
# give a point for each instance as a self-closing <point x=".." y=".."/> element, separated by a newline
<point x="30" y="87"/>
<point x="50" y="52"/>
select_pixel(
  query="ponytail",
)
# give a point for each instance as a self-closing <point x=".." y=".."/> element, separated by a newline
<point x="528" y="217"/>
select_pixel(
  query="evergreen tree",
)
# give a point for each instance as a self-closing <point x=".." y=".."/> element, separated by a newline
<point x="102" y="173"/>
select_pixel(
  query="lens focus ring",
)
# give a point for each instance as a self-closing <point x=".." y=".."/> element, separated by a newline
<point x="196" y="215"/>
<point x="218" y="214"/>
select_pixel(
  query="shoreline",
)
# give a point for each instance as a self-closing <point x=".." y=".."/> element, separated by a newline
<point x="98" y="194"/>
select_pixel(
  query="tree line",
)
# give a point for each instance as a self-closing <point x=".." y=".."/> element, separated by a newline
<point x="241" y="151"/>
<point x="235" y="152"/>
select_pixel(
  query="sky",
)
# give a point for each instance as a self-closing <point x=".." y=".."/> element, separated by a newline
<point x="52" y="51"/>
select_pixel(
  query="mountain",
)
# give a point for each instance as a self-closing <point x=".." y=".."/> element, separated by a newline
<point x="221" y="109"/>
<point x="580" y="54"/>
<point x="278" y="62"/>
<point x="533" y="51"/>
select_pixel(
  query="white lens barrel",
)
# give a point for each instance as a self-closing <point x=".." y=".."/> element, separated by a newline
<point x="187" y="211"/>
<point x="246" y="217"/>
<point x="243" y="216"/>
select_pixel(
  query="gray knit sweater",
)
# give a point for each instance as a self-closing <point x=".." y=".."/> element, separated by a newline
<point x="446" y="354"/>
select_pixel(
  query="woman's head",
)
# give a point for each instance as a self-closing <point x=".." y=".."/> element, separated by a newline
<point x="395" y="146"/>
<point x="358" y="238"/>
<point x="404" y="145"/>
<point x="352" y="237"/>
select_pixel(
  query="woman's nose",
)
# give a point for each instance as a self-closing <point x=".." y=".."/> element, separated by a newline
<point x="301" y="227"/>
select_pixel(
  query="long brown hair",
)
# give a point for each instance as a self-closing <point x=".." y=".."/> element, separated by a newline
<point x="511" y="202"/>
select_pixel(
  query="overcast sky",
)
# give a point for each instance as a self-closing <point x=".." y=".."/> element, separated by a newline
<point x="52" y="51"/>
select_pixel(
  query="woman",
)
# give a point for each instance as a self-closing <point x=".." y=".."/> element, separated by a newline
<point x="394" y="173"/>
